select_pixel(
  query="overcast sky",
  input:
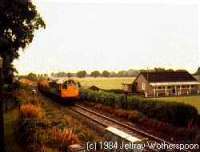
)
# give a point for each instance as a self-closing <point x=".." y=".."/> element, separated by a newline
<point x="113" y="35"/>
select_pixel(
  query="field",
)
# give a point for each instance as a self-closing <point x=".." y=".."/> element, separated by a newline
<point x="105" y="83"/>
<point x="192" y="100"/>
<point x="102" y="82"/>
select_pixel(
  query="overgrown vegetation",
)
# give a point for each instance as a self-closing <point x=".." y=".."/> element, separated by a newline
<point x="30" y="111"/>
<point x="34" y="129"/>
<point x="43" y="125"/>
<point x="178" y="114"/>
<point x="63" y="138"/>
<point x="29" y="127"/>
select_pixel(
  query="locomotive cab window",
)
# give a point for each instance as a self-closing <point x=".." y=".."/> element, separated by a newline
<point x="65" y="86"/>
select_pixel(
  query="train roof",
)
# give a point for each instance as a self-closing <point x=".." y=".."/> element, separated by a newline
<point x="61" y="81"/>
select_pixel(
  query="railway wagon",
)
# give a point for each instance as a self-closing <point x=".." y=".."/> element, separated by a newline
<point x="66" y="92"/>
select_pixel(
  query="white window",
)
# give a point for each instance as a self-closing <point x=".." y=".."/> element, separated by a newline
<point x="143" y="86"/>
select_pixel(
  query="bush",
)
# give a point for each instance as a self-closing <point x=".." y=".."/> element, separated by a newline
<point x="178" y="114"/>
<point x="118" y="91"/>
<point x="64" y="138"/>
<point x="134" y="116"/>
<point x="30" y="111"/>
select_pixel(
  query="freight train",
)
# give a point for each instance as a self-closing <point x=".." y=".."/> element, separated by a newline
<point x="66" y="92"/>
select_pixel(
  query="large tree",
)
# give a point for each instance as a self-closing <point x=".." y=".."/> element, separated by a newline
<point x="18" y="21"/>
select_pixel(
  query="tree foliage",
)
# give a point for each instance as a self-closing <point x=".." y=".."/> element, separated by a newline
<point x="32" y="76"/>
<point x="95" y="74"/>
<point x="69" y="75"/>
<point x="105" y="73"/>
<point x="198" y="71"/>
<point x="81" y="74"/>
<point x="18" y="21"/>
<point x="122" y="73"/>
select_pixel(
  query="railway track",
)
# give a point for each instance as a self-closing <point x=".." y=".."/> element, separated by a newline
<point x="106" y="121"/>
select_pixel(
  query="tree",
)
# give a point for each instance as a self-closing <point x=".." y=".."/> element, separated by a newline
<point x="158" y="69"/>
<point x="105" y="73"/>
<point x="122" y="73"/>
<point x="95" y="74"/>
<point x="32" y="76"/>
<point x="81" y="74"/>
<point x="132" y="73"/>
<point x="18" y="21"/>
<point x="198" y="71"/>
<point x="42" y="76"/>
<point x="52" y="74"/>
<point x="69" y="75"/>
<point x="113" y="74"/>
<point x="61" y="74"/>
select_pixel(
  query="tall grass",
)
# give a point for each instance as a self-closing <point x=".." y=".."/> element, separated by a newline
<point x="30" y="111"/>
<point x="64" y="137"/>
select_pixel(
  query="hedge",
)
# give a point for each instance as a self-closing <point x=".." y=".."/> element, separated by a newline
<point x="178" y="114"/>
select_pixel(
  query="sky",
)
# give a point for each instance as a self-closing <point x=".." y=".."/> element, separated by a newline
<point x="113" y="35"/>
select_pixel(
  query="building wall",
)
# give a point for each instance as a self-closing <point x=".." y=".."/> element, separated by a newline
<point x="143" y="86"/>
<point x="127" y="88"/>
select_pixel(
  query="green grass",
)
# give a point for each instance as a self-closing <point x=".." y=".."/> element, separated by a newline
<point x="105" y="83"/>
<point x="192" y="100"/>
<point x="9" y="128"/>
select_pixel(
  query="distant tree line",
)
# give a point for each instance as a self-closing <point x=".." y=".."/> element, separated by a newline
<point x="34" y="77"/>
<point x="96" y="73"/>
<point x="106" y="73"/>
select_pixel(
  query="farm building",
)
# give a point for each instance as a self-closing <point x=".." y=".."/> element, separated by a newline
<point x="166" y="83"/>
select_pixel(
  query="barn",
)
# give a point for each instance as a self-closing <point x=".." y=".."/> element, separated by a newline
<point x="166" y="83"/>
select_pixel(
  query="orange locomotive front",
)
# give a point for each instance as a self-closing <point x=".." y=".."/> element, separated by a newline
<point x="70" y="90"/>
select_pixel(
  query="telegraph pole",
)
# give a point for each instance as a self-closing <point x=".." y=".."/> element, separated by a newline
<point x="2" y="146"/>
